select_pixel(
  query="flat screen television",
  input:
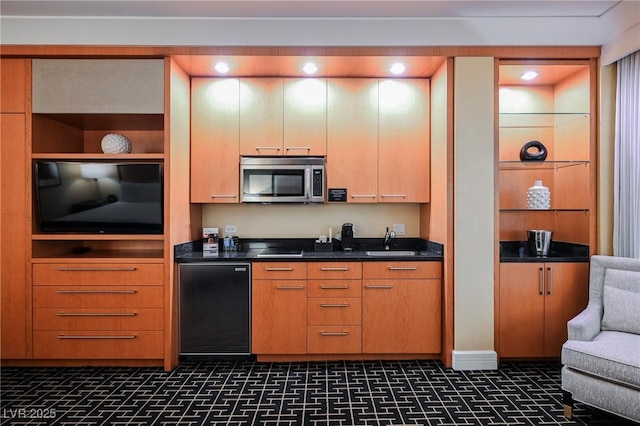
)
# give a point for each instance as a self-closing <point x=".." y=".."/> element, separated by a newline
<point x="108" y="197"/>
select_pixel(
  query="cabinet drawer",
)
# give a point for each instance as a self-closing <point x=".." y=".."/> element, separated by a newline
<point x="98" y="319"/>
<point x="98" y="297"/>
<point x="334" y="340"/>
<point x="279" y="270"/>
<point x="98" y="345"/>
<point x="335" y="270"/>
<point x="334" y="288"/>
<point x="402" y="269"/>
<point x="98" y="274"/>
<point x="334" y="311"/>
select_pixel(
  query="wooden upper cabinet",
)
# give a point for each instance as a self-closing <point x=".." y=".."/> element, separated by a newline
<point x="13" y="85"/>
<point x="352" y="138"/>
<point x="215" y="140"/>
<point x="98" y="86"/>
<point x="261" y="116"/>
<point x="404" y="142"/>
<point x="305" y="116"/>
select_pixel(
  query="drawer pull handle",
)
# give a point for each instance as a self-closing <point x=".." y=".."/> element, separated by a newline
<point x="300" y="148"/>
<point x="394" y="195"/>
<point x="97" y="314"/>
<point x="334" y="305"/>
<point x="334" y="333"/>
<point x="378" y="286"/>
<point x="223" y="196"/>
<point x="96" y="337"/>
<point x="397" y="268"/>
<point x="290" y="287"/>
<point x="334" y="287"/>
<point x="100" y="268"/>
<point x="96" y="291"/>
<point x="278" y="269"/>
<point x="271" y="148"/>
<point x="334" y="269"/>
<point x="363" y="196"/>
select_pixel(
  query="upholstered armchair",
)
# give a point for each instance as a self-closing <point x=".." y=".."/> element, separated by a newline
<point x="601" y="358"/>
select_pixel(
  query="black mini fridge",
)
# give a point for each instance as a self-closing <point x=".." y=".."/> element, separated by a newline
<point x="214" y="308"/>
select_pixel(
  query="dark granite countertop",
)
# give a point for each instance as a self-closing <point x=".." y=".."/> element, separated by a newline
<point x="518" y="251"/>
<point x="251" y="248"/>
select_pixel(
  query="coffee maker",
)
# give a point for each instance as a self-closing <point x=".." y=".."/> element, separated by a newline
<point x="346" y="236"/>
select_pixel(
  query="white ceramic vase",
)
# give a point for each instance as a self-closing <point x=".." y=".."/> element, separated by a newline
<point x="114" y="143"/>
<point x="538" y="197"/>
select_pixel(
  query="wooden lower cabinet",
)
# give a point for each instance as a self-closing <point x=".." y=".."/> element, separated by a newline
<point x="101" y="311"/>
<point x="536" y="301"/>
<point x="401" y="307"/>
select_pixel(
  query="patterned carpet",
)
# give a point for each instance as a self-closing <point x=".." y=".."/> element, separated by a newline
<point x="324" y="393"/>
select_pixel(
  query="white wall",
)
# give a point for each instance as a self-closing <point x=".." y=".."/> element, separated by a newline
<point x="474" y="212"/>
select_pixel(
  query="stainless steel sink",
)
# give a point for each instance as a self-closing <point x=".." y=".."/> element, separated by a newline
<point x="390" y="253"/>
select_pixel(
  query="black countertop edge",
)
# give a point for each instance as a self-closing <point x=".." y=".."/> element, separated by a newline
<point x="559" y="251"/>
<point x="425" y="250"/>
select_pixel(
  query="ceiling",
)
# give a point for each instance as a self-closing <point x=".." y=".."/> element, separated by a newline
<point x="309" y="8"/>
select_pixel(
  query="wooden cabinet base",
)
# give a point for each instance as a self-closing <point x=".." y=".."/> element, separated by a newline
<point x="346" y="357"/>
<point x="82" y="363"/>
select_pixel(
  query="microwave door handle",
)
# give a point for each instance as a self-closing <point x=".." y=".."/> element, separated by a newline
<point x="307" y="183"/>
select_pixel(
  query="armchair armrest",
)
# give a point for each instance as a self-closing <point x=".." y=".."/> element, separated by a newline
<point x="586" y="325"/>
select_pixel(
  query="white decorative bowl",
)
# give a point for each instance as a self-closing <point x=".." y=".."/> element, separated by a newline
<point x="114" y="143"/>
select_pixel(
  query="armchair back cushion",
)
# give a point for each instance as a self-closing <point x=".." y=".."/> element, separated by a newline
<point x="621" y="299"/>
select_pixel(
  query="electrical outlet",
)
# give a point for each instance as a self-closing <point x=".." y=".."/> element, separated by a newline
<point x="399" y="228"/>
<point x="230" y="229"/>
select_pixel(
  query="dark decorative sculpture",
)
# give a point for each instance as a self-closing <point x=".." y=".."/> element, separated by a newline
<point x="539" y="155"/>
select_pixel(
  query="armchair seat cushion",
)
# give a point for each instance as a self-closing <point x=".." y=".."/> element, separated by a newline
<point x="612" y="355"/>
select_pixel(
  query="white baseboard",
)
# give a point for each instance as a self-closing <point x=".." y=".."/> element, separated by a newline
<point x="475" y="360"/>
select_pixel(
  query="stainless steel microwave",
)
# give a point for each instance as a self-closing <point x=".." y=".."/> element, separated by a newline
<point x="282" y="180"/>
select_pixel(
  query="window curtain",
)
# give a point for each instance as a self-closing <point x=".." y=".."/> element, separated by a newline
<point x="626" y="202"/>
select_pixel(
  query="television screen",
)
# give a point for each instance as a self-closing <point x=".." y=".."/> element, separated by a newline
<point x="99" y="197"/>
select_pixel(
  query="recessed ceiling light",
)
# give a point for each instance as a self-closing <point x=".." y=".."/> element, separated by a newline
<point x="309" y="68"/>
<point x="529" y="75"/>
<point x="397" y="68"/>
<point x="222" y="67"/>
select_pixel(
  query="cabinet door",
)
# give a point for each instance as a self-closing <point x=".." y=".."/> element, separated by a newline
<point x="404" y="153"/>
<point x="278" y="319"/>
<point x="566" y="295"/>
<point x="13" y="85"/>
<point x="352" y="138"/>
<point x="261" y="110"/>
<point x="401" y="316"/>
<point x="215" y="157"/>
<point x="13" y="237"/>
<point x="305" y="116"/>
<point x="521" y="310"/>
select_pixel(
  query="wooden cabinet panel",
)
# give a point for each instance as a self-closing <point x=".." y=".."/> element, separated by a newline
<point x="278" y="320"/>
<point x="401" y="269"/>
<point x="521" y="310"/>
<point x="305" y="116"/>
<point x="139" y="274"/>
<point x="401" y="316"/>
<point x="352" y="137"/>
<point x="334" y="339"/>
<point x="261" y="116"/>
<point x="98" y="296"/>
<point x="567" y="294"/>
<point x="14" y="251"/>
<point x="536" y="301"/>
<point x="279" y="270"/>
<point x="13" y="85"/>
<point x="404" y="141"/>
<point x="334" y="311"/>
<point x="215" y="140"/>
<point x="334" y="270"/>
<point x="334" y="288"/>
<point x="98" y="319"/>
<point x="98" y="345"/>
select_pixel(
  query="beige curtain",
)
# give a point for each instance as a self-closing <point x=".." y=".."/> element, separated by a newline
<point x="626" y="204"/>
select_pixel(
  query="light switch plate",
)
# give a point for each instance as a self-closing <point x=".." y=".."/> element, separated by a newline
<point x="399" y="228"/>
<point x="230" y="229"/>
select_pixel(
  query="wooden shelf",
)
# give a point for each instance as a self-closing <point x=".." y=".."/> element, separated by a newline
<point x="97" y="237"/>
<point x="97" y="156"/>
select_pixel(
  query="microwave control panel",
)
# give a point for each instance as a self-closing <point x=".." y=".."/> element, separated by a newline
<point x="317" y="183"/>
